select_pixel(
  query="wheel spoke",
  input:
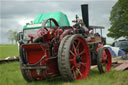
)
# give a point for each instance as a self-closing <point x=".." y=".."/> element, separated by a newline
<point x="77" y="50"/>
<point x="104" y="57"/>
<point x="74" y="73"/>
<point x="78" y="45"/>
<point x="81" y="53"/>
<point x="74" y="48"/>
<point x="79" y="72"/>
<point x="84" y="64"/>
<point x="72" y="67"/>
<point x="79" y="66"/>
<point x="72" y="53"/>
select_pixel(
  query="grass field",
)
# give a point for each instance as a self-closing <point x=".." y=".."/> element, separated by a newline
<point x="8" y="50"/>
<point x="10" y="74"/>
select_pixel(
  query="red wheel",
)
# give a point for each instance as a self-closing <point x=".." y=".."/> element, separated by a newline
<point x="74" y="58"/>
<point x="104" y="60"/>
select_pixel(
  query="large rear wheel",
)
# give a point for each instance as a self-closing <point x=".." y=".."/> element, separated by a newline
<point x="73" y="58"/>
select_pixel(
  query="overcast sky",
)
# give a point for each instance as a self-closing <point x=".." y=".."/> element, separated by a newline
<point x="14" y="14"/>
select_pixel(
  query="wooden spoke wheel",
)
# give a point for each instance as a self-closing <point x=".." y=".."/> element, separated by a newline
<point x="73" y="58"/>
<point x="104" y="60"/>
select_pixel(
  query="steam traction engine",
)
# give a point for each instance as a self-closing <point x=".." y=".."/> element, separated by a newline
<point x="55" y="48"/>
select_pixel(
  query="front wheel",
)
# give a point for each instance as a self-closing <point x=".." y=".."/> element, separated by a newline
<point x="25" y="73"/>
<point x="73" y="58"/>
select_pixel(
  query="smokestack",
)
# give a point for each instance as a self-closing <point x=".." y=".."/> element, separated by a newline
<point x="84" y="8"/>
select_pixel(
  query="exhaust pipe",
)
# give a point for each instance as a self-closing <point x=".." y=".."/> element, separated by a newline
<point x="84" y="8"/>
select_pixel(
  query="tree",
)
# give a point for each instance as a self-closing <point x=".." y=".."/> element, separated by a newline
<point x="119" y="20"/>
<point x="12" y="36"/>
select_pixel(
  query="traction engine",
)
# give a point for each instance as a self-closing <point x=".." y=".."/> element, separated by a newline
<point x="68" y="51"/>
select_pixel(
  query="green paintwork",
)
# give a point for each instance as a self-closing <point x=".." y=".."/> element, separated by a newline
<point x="60" y="17"/>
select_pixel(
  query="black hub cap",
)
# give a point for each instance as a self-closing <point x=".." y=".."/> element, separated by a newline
<point x="77" y="59"/>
